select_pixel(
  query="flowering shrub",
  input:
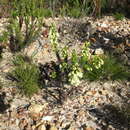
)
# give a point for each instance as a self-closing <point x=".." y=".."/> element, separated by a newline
<point x="75" y="75"/>
<point x="68" y="67"/>
<point x="53" y="35"/>
<point x="91" y="64"/>
<point x="84" y="65"/>
<point x="85" y="56"/>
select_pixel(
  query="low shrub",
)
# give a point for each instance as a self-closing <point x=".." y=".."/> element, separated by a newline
<point x="102" y="67"/>
<point x="113" y="69"/>
<point x="110" y="70"/>
<point x="86" y="65"/>
<point x="68" y="64"/>
<point x="25" y="23"/>
<point x="26" y="75"/>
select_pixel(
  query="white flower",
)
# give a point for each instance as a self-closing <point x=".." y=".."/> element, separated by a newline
<point x="74" y="77"/>
<point x="97" y="62"/>
<point x="80" y="74"/>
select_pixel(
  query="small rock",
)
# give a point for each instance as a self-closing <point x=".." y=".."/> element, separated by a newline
<point x="36" y="108"/>
<point x="41" y="127"/>
<point x="65" y="31"/>
<point x="89" y="128"/>
<point x="66" y="125"/>
<point x="104" y="25"/>
<point x="18" y="102"/>
<point x="35" y="111"/>
<point x="53" y="128"/>
<point x="107" y="85"/>
<point x="106" y="40"/>
<point x="23" y="123"/>
<point x="48" y="118"/>
<point x="72" y="128"/>
<point x="124" y="58"/>
<point x="110" y="127"/>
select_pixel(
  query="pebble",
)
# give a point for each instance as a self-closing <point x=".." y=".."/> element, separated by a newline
<point x="124" y="58"/>
<point x="47" y="118"/>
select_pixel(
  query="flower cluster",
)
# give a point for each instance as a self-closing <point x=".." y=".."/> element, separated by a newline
<point x="64" y="52"/>
<point x="97" y="62"/>
<point x="86" y="51"/>
<point x="53" y="35"/>
<point x="75" y="75"/>
<point x="63" y="66"/>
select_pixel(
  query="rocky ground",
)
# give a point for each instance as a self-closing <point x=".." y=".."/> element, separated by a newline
<point x="101" y="105"/>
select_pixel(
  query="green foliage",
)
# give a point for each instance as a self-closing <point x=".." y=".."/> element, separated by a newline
<point x="64" y="66"/>
<point x="3" y="41"/>
<point x="53" y="75"/>
<point x="20" y="59"/>
<point x="85" y="7"/>
<point x="74" y="8"/>
<point x="85" y="65"/>
<point x="74" y="12"/>
<point x="4" y="37"/>
<point x="75" y="75"/>
<point x="104" y="3"/>
<point x="119" y="16"/>
<point x="102" y="66"/>
<point x="77" y="8"/>
<point x="68" y="67"/>
<point x="110" y="69"/>
<point x="47" y="12"/>
<point x="91" y="64"/>
<point x="25" y="23"/>
<point x="26" y="75"/>
<point x="53" y="35"/>
<point x="114" y="70"/>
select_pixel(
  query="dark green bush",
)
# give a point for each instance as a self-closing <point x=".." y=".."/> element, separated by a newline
<point x="26" y="75"/>
<point x="112" y="69"/>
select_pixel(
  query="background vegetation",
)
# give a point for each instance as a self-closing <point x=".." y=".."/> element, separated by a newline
<point x="74" y="8"/>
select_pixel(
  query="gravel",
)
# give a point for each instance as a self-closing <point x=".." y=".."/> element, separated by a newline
<point x="89" y="106"/>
